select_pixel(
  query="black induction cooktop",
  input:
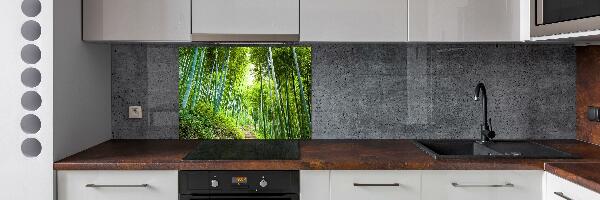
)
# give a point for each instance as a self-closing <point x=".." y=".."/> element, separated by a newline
<point x="245" y="150"/>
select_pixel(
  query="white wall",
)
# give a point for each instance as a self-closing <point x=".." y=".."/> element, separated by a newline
<point x="82" y="98"/>
<point x="23" y="177"/>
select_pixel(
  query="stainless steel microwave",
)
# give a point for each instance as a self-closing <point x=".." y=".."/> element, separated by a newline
<point x="552" y="17"/>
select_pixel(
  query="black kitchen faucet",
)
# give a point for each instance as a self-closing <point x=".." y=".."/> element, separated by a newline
<point x="487" y="134"/>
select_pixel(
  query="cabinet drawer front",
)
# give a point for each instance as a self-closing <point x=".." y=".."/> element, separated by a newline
<point x="314" y="184"/>
<point x="117" y="185"/>
<point x="482" y="185"/>
<point x="560" y="189"/>
<point x="375" y="185"/>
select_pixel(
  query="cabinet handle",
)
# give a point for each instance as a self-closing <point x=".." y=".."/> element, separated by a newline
<point x="116" y="186"/>
<point x="376" y="184"/>
<point x="469" y="186"/>
<point x="562" y="195"/>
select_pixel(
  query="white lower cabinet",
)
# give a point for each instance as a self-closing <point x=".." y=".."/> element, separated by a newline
<point x="314" y="184"/>
<point x="375" y="185"/>
<point x="560" y="189"/>
<point x="341" y="185"/>
<point x="117" y="185"/>
<point x="482" y="185"/>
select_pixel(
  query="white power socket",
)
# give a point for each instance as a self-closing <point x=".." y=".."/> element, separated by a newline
<point x="135" y="112"/>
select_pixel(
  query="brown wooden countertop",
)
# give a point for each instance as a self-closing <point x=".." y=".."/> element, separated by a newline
<point x="584" y="174"/>
<point x="314" y="155"/>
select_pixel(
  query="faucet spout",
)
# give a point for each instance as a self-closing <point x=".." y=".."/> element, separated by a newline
<point x="480" y="94"/>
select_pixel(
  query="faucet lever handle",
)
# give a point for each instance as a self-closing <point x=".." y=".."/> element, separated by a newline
<point x="492" y="133"/>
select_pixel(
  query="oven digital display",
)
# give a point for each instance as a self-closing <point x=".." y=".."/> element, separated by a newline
<point x="239" y="180"/>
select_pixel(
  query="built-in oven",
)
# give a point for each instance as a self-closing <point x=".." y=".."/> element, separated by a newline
<point x="238" y="185"/>
<point x="552" y="17"/>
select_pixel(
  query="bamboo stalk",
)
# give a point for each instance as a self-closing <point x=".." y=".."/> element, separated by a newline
<point x="262" y="112"/>
<point x="304" y="106"/>
<point x="189" y="80"/>
<point x="287" y="100"/>
<point x="221" y="85"/>
<point x="199" y="78"/>
<point x="297" y="104"/>
<point x="272" y="110"/>
<point x="277" y="95"/>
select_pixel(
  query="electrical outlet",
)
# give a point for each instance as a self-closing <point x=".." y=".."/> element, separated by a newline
<point x="135" y="112"/>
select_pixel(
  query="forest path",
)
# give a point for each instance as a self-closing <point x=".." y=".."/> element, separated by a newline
<point x="248" y="134"/>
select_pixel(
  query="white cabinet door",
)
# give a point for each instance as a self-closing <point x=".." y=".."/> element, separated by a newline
<point x="482" y="185"/>
<point x="353" y="20"/>
<point x="560" y="189"/>
<point x="248" y="20"/>
<point x="468" y="21"/>
<point x="136" y="20"/>
<point x="314" y="185"/>
<point x="375" y="185"/>
<point x="117" y="185"/>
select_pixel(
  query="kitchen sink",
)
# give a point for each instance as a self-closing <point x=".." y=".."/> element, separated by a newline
<point x="471" y="149"/>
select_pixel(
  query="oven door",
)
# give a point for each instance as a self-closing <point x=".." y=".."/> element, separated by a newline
<point x="240" y="197"/>
<point x="551" y="17"/>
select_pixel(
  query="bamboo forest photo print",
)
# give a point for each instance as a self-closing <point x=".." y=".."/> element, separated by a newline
<point x="244" y="92"/>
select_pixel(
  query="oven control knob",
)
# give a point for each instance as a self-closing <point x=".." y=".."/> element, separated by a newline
<point x="214" y="183"/>
<point x="263" y="183"/>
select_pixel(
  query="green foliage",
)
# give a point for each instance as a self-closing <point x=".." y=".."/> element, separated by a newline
<point x="239" y="88"/>
<point x="204" y="123"/>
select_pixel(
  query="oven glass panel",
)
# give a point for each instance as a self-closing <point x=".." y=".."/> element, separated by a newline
<point x="564" y="10"/>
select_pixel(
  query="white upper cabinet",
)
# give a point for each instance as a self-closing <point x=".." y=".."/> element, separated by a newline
<point x="354" y="20"/>
<point x="307" y="20"/>
<point x="136" y="20"/>
<point x="468" y="20"/>
<point x="245" y="20"/>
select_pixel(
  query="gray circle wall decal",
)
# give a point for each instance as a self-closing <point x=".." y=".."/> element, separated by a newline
<point x="31" y="100"/>
<point x="31" y="124"/>
<point x="31" y="77"/>
<point x="31" y="54"/>
<point x="31" y="147"/>
<point x="31" y="8"/>
<point x="31" y="30"/>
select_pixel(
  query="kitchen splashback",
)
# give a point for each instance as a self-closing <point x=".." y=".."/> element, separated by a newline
<point x="383" y="91"/>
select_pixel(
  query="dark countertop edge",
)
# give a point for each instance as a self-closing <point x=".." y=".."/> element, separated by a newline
<point x="209" y="165"/>
<point x="573" y="176"/>
<point x="299" y="165"/>
<point x="319" y="163"/>
<point x="427" y="163"/>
